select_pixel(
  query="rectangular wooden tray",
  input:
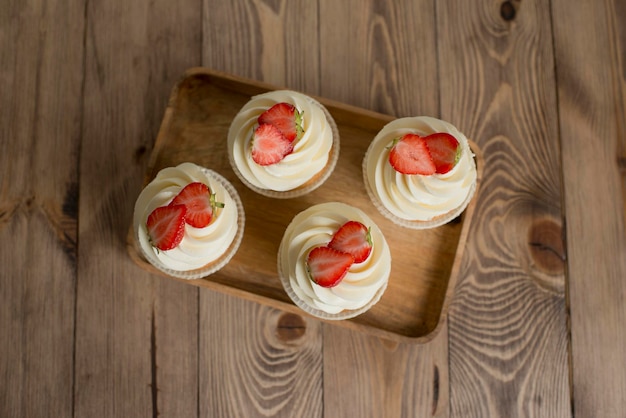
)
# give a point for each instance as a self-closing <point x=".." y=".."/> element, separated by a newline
<point x="425" y="263"/>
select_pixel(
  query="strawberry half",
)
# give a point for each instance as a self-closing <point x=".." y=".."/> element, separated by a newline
<point x="444" y="150"/>
<point x="199" y="202"/>
<point x="353" y="238"/>
<point x="269" y="145"/>
<point x="166" y="226"/>
<point x="286" y="118"/>
<point x="327" y="266"/>
<point x="409" y="155"/>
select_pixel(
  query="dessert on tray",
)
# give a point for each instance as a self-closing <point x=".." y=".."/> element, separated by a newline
<point x="420" y="172"/>
<point x="283" y="144"/>
<point x="188" y="222"/>
<point x="333" y="261"/>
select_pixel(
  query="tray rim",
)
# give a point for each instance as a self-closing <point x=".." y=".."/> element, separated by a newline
<point x="467" y="216"/>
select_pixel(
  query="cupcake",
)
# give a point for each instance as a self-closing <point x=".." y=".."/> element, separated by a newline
<point x="333" y="261"/>
<point x="420" y="172"/>
<point x="283" y="144"/>
<point x="188" y="221"/>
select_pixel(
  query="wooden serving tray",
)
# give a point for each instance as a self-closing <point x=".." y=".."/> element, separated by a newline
<point x="425" y="263"/>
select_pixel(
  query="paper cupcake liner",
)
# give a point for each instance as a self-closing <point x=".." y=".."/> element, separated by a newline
<point x="218" y="264"/>
<point x="438" y="220"/>
<point x="311" y="310"/>
<point x="316" y="181"/>
<point x="419" y="122"/>
<point x="345" y="314"/>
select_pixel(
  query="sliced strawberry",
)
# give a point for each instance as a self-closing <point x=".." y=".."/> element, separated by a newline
<point x="199" y="202"/>
<point x="327" y="266"/>
<point x="444" y="150"/>
<point x="166" y="226"/>
<point x="269" y="146"/>
<point x="353" y="238"/>
<point x="286" y="118"/>
<point x="409" y="155"/>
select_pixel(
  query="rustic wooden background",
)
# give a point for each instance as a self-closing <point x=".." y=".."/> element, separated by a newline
<point x="537" y="326"/>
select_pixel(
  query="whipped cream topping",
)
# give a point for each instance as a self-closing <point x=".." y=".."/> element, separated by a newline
<point x="416" y="197"/>
<point x="200" y="246"/>
<point x="311" y="152"/>
<point x="363" y="284"/>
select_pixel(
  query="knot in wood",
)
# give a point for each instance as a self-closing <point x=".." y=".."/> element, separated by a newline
<point x="545" y="242"/>
<point x="290" y="327"/>
<point x="507" y="11"/>
<point x="139" y="153"/>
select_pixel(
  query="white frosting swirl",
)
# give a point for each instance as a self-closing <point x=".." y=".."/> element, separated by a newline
<point x="311" y="152"/>
<point x="364" y="283"/>
<point x="199" y="246"/>
<point x="416" y="197"/>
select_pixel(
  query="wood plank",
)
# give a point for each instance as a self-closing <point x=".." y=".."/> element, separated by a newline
<point x="136" y="337"/>
<point x="271" y="41"/>
<point x="508" y="337"/>
<point x="591" y="74"/>
<point x="370" y="377"/>
<point x="380" y="56"/>
<point x="174" y="349"/>
<point x="40" y="83"/>
<point x="258" y="361"/>
<point x="259" y="40"/>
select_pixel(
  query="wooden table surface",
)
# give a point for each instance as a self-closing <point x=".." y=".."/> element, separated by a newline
<point x="537" y="324"/>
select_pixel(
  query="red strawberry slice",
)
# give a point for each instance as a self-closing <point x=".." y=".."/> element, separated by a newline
<point x="327" y="266"/>
<point x="444" y="150"/>
<point x="353" y="238"/>
<point x="166" y="226"/>
<point x="269" y="146"/>
<point x="409" y="155"/>
<point x="285" y="117"/>
<point x="199" y="202"/>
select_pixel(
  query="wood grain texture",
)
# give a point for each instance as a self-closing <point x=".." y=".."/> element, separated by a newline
<point x="174" y="349"/>
<point x="379" y="378"/>
<point x="592" y="98"/>
<point x="500" y="90"/>
<point x="84" y="332"/>
<point x="267" y="40"/>
<point x="264" y="363"/>
<point x="381" y="56"/>
<point x="136" y="337"/>
<point x="40" y="97"/>
<point x="259" y="40"/>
